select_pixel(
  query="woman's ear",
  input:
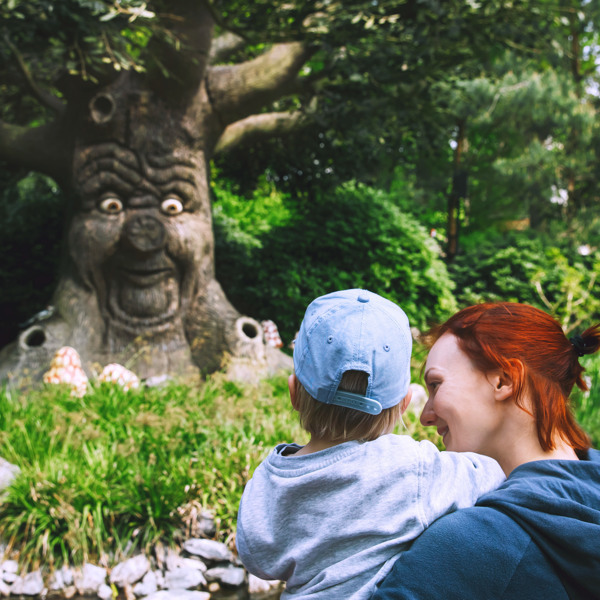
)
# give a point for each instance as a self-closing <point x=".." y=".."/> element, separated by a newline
<point x="292" y="388"/>
<point x="502" y="384"/>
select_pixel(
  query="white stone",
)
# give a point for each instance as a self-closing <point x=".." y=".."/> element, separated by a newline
<point x="192" y="563"/>
<point x="208" y="549"/>
<point x="33" y="584"/>
<point x="174" y="561"/>
<point x="4" y="588"/>
<point x="147" y="586"/>
<point x="130" y="571"/>
<point x="9" y="566"/>
<point x="9" y="577"/>
<point x="256" y="585"/>
<point x="105" y="592"/>
<point x="233" y="576"/>
<point x="160" y="579"/>
<point x="184" y="578"/>
<point x="61" y="578"/>
<point x="179" y="594"/>
<point x="89" y="579"/>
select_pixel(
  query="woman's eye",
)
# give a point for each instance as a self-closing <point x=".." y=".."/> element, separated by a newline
<point x="432" y="385"/>
<point x="171" y="206"/>
<point x="111" y="206"/>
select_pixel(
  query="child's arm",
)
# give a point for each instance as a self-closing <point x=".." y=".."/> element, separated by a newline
<point x="453" y="480"/>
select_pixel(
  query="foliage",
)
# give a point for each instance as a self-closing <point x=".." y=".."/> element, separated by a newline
<point x="31" y="226"/>
<point x="530" y="268"/>
<point x="586" y="405"/>
<point x="353" y="237"/>
<point x="115" y="466"/>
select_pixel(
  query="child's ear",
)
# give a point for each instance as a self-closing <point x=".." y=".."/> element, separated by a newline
<point x="502" y="384"/>
<point x="292" y="388"/>
<point x="405" y="401"/>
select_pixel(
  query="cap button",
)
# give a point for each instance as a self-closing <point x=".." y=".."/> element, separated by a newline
<point x="363" y="298"/>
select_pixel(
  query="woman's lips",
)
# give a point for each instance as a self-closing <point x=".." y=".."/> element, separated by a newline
<point x="442" y="431"/>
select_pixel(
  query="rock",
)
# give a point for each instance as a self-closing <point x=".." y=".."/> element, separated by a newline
<point x="89" y="579"/>
<point x="184" y="578"/>
<point x="232" y="576"/>
<point x="260" y="586"/>
<point x="147" y="586"/>
<point x="214" y="587"/>
<point x="206" y="523"/>
<point x="208" y="549"/>
<point x="8" y="473"/>
<point x="69" y="591"/>
<point x="61" y="579"/>
<point x="4" y="588"/>
<point x="105" y="592"/>
<point x="179" y="595"/>
<point x="174" y="561"/>
<point x="130" y="571"/>
<point x="9" y="566"/>
<point x="9" y="577"/>
<point x="31" y="584"/>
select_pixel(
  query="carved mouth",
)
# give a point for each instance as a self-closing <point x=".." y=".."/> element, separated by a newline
<point x="145" y="277"/>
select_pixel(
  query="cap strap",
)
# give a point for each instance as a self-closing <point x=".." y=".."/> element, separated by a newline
<point x="357" y="402"/>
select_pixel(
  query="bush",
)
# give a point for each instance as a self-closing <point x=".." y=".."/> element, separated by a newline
<point x="272" y="266"/>
<point x="532" y="268"/>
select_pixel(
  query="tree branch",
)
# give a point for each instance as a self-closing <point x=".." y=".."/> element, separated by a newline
<point x="241" y="90"/>
<point x="224" y="46"/>
<point x="44" y="97"/>
<point x="258" y="127"/>
<point x="37" y="148"/>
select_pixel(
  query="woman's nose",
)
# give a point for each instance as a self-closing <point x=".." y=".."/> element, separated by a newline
<point x="428" y="417"/>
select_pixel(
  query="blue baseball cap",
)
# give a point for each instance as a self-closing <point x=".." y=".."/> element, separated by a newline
<point x="354" y="330"/>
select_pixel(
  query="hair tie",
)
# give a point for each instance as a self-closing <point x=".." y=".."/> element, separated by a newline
<point x="579" y="345"/>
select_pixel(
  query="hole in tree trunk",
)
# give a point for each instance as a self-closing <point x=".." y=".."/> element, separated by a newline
<point x="36" y="336"/>
<point x="250" y="329"/>
<point x="102" y="108"/>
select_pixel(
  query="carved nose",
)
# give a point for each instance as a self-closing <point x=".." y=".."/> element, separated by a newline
<point x="145" y="233"/>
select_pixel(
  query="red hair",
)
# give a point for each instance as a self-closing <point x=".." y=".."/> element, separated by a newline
<point x="530" y="347"/>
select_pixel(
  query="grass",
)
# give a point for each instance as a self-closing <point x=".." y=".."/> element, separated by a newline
<point x="116" y="466"/>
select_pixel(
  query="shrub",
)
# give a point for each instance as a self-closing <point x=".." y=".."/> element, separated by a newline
<point x="354" y="237"/>
<point x="532" y="268"/>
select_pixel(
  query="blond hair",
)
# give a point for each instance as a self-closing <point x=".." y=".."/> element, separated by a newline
<point x="338" y="423"/>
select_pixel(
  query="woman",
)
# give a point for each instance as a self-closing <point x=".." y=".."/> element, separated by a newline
<point x="499" y="378"/>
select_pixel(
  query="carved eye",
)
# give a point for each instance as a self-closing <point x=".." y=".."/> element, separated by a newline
<point x="111" y="205"/>
<point x="171" y="206"/>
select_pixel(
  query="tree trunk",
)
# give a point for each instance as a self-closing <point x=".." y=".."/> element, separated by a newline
<point x="458" y="191"/>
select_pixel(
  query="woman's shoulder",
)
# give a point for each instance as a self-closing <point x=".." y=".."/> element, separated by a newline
<point x="469" y="554"/>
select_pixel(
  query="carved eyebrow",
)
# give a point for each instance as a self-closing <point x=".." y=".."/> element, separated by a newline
<point x="106" y="180"/>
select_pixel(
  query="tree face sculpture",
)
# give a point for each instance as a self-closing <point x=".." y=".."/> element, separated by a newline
<point x="137" y="285"/>
<point x="141" y="238"/>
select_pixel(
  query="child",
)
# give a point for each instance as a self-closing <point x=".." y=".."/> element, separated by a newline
<point x="329" y="518"/>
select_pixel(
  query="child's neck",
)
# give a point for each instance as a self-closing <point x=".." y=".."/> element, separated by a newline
<point x="315" y="445"/>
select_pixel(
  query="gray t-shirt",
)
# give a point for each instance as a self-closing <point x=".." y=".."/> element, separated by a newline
<point x="332" y="523"/>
